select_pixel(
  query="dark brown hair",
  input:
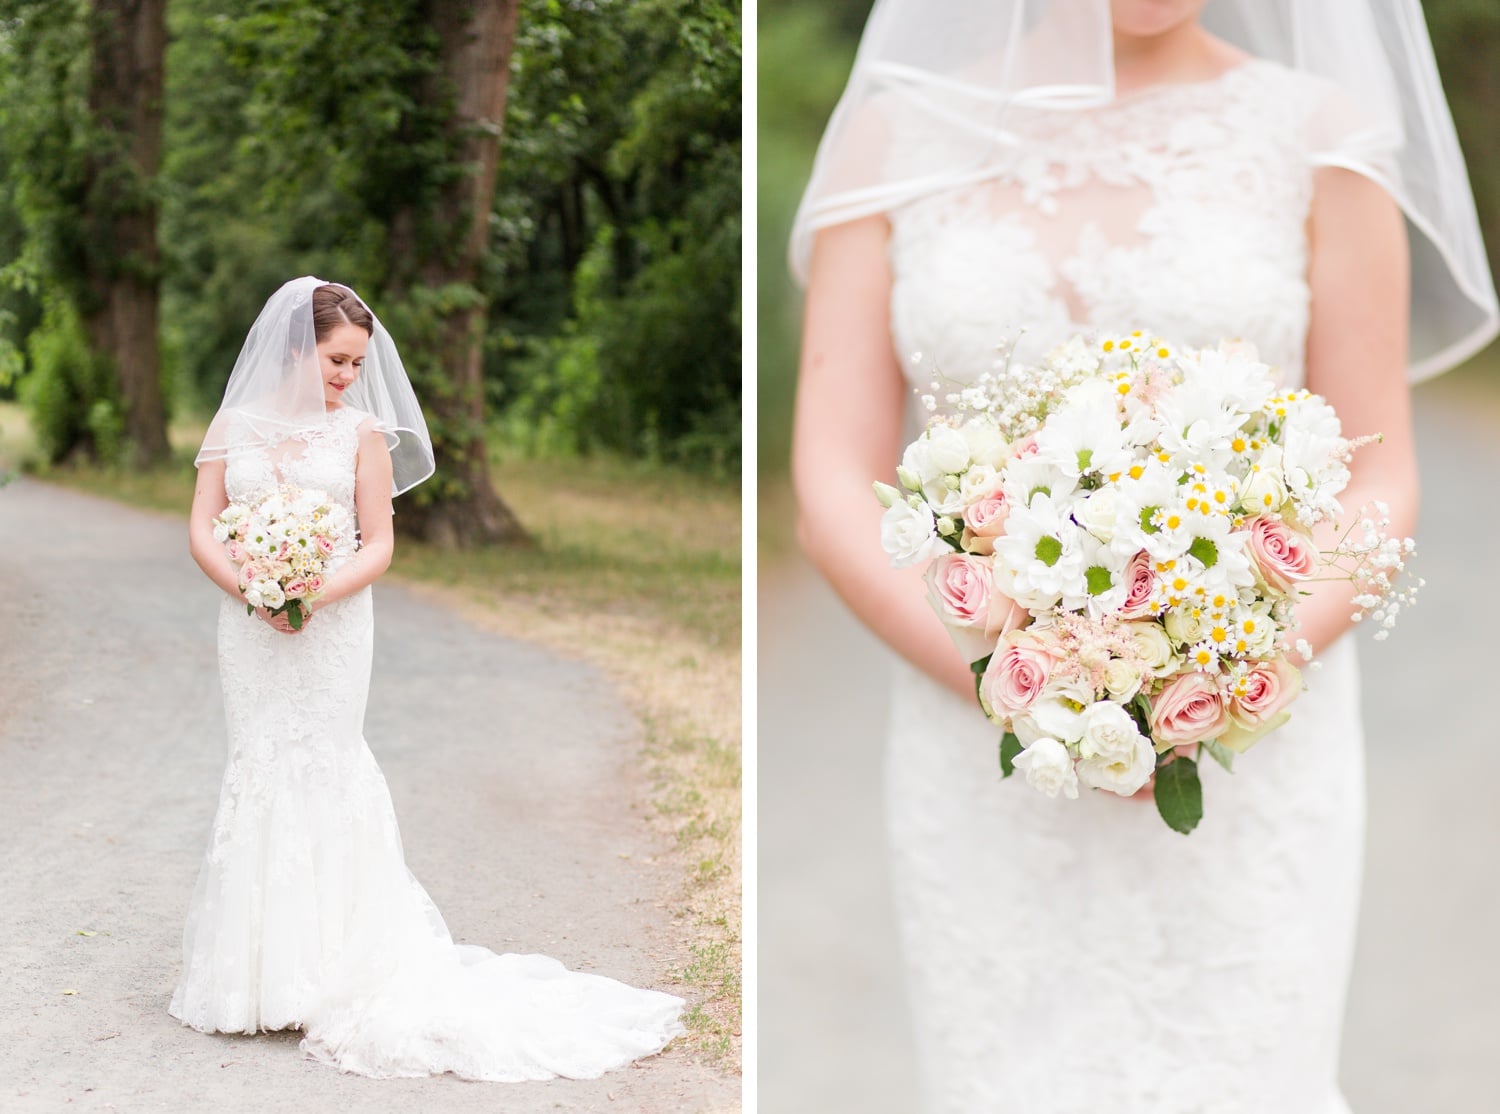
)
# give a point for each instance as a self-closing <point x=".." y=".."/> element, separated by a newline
<point x="333" y="306"/>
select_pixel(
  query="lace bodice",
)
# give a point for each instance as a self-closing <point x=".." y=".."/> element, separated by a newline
<point x="323" y="459"/>
<point x="1180" y="209"/>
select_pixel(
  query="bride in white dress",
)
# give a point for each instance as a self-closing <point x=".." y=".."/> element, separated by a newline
<point x="1014" y="171"/>
<point x="305" y="915"/>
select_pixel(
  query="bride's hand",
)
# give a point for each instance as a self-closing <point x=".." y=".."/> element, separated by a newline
<point x="281" y="622"/>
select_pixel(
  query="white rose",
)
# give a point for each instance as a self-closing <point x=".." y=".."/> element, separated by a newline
<point x="1154" y="647"/>
<point x="1185" y="625"/>
<point x="1099" y="512"/>
<point x="979" y="481"/>
<point x="1108" y="732"/>
<point x="271" y="594"/>
<point x="1049" y="768"/>
<point x="909" y="534"/>
<point x="947" y="450"/>
<point x="221" y="531"/>
<point x="1121" y="773"/>
<point x="253" y="594"/>
<point x="1263" y="489"/>
<point x="1121" y="680"/>
<point x="986" y="445"/>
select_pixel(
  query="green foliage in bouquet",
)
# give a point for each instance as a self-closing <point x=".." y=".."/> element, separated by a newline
<point x="1179" y="792"/>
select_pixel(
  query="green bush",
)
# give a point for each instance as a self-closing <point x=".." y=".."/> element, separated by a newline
<point x="69" y="393"/>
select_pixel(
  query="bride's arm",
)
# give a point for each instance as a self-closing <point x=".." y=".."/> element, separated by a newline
<point x="1358" y="270"/>
<point x="209" y="501"/>
<point x="847" y="433"/>
<point x="372" y="502"/>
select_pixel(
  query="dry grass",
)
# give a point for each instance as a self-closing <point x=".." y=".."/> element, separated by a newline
<point x="637" y="571"/>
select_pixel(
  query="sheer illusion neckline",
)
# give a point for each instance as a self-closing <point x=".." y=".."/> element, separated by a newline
<point x="1161" y="88"/>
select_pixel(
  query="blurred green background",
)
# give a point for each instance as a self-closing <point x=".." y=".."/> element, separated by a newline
<point x="341" y="138"/>
<point x="805" y="52"/>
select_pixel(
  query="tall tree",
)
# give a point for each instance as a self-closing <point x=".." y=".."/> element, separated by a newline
<point x="80" y="140"/>
<point x="121" y="270"/>
<point x="437" y="244"/>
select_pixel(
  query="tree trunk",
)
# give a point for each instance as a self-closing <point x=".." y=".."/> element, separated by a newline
<point x="473" y="75"/>
<point x="122" y="266"/>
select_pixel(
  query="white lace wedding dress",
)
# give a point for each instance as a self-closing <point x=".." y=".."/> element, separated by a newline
<point x="305" y="915"/>
<point x="1078" y="957"/>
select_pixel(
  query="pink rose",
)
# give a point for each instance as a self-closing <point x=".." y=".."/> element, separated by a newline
<point x="1024" y="447"/>
<point x="1269" y="687"/>
<point x="1142" y="582"/>
<point x="959" y="587"/>
<point x="324" y="544"/>
<point x="1283" y="555"/>
<point x="283" y="551"/>
<point x="236" y="551"/>
<point x="1016" y="675"/>
<point x="296" y="589"/>
<point x="1188" y="709"/>
<point x="1005" y="614"/>
<point x="984" y="521"/>
<point x="315" y="585"/>
<point x="250" y="571"/>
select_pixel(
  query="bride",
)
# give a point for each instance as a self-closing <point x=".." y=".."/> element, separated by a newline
<point x="1017" y="171"/>
<point x="305" y="915"/>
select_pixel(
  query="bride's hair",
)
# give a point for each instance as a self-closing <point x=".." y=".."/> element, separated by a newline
<point x="333" y="306"/>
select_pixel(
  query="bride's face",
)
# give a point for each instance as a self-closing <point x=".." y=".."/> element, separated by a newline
<point x="1148" y="18"/>
<point x="341" y="356"/>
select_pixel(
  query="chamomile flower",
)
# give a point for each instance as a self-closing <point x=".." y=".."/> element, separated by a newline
<point x="1204" y="657"/>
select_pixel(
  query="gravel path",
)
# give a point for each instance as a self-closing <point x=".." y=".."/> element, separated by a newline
<point x="1424" y="1002"/>
<point x="514" y="776"/>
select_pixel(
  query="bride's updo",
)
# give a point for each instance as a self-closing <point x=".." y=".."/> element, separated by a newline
<point x="334" y="305"/>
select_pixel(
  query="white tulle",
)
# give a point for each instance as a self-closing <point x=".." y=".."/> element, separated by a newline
<point x="305" y="914"/>
<point x="1078" y="957"/>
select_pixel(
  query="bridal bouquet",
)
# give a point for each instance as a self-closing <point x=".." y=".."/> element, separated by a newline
<point x="1116" y="542"/>
<point x="283" y="546"/>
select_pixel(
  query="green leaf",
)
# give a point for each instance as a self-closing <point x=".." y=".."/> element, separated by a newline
<point x="1179" y="794"/>
<point x="1048" y="550"/>
<point x="978" y="668"/>
<point x="1099" y="580"/>
<point x="1206" y="551"/>
<point x="1221" y="754"/>
<point x="1147" y="514"/>
<point x="294" y="614"/>
<point x="249" y="610"/>
<point x="1010" y="746"/>
<point x="1140" y="711"/>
